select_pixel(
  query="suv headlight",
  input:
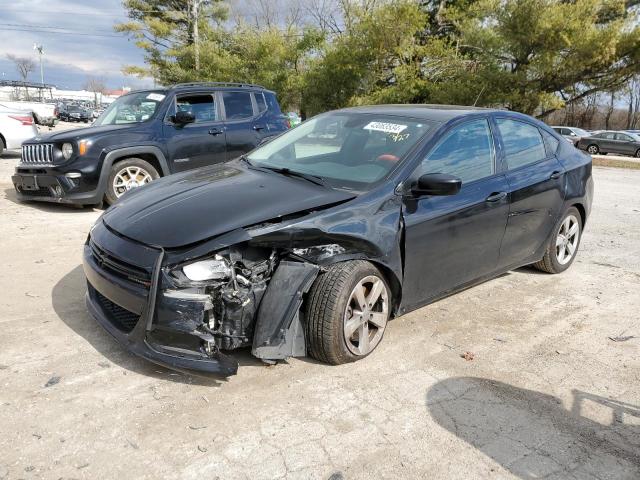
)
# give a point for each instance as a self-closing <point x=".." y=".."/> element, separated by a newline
<point x="212" y="269"/>
<point x="67" y="150"/>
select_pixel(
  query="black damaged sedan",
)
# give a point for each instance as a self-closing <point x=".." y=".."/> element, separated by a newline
<point x="310" y="244"/>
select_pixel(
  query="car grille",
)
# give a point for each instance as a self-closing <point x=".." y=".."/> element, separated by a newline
<point x="121" y="318"/>
<point x="120" y="268"/>
<point x="41" y="153"/>
<point x="40" y="192"/>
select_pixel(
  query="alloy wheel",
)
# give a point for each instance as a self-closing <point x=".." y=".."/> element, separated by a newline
<point x="366" y="315"/>
<point x="128" y="178"/>
<point x="567" y="239"/>
<point x="592" y="149"/>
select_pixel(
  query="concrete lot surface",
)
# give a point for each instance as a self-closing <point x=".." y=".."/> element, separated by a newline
<point x="548" y="393"/>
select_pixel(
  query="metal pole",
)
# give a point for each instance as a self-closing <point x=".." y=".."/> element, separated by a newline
<point x="41" y="79"/>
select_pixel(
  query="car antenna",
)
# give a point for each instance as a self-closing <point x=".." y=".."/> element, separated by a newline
<point x="478" y="97"/>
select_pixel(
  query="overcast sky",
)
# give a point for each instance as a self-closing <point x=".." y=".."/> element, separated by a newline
<point x="89" y="46"/>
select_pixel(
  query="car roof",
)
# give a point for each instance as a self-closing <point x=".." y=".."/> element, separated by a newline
<point x="436" y="113"/>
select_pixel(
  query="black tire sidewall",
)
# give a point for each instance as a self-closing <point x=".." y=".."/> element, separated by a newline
<point x="110" y="195"/>
<point x="557" y="266"/>
<point x="596" y="147"/>
<point x="338" y="343"/>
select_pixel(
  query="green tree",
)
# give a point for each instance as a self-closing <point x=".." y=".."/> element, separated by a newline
<point x="535" y="56"/>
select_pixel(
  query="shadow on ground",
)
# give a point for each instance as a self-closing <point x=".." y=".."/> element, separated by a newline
<point x="532" y="435"/>
<point x="69" y="304"/>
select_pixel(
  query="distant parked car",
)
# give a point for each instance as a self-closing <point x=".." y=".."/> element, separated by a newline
<point x="573" y="134"/>
<point x="622" y="143"/>
<point x="73" y="113"/>
<point x="16" y="126"/>
<point x="145" y="135"/>
<point x="636" y="132"/>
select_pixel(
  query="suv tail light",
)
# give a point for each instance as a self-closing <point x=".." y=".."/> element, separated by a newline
<point x="24" y="119"/>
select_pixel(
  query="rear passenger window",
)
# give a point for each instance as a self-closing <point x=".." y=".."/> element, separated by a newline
<point x="201" y="106"/>
<point x="550" y="143"/>
<point x="465" y="152"/>
<point x="272" y="102"/>
<point x="262" y="105"/>
<point x="522" y="142"/>
<point x="237" y="105"/>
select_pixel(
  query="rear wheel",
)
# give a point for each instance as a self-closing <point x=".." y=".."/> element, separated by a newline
<point x="593" y="149"/>
<point x="128" y="174"/>
<point x="562" y="247"/>
<point x="347" y="312"/>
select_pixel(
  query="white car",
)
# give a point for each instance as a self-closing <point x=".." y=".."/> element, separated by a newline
<point x="16" y="126"/>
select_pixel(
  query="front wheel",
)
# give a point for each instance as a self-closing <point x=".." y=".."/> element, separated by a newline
<point x="637" y="155"/>
<point x="347" y="312"/>
<point x="593" y="149"/>
<point x="562" y="247"/>
<point x="128" y="174"/>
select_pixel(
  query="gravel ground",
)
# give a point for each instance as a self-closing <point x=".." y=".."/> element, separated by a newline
<point x="547" y="394"/>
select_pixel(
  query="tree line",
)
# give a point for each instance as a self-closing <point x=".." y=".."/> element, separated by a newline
<point x="540" y="57"/>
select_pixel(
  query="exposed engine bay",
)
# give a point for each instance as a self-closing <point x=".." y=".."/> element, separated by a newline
<point x="223" y="299"/>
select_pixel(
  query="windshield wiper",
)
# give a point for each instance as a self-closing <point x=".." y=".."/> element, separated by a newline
<point x="292" y="173"/>
<point x="243" y="158"/>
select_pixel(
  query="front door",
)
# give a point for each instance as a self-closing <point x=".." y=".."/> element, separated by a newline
<point x="536" y="180"/>
<point x="453" y="240"/>
<point x="196" y="144"/>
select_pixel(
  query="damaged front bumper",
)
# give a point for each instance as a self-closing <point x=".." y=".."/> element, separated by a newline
<point x="126" y="312"/>
<point x="184" y="326"/>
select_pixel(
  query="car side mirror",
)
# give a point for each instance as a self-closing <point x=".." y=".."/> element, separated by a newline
<point x="437" y="184"/>
<point x="182" y="117"/>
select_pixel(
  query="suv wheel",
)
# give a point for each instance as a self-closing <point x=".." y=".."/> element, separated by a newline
<point x="128" y="174"/>
<point x="347" y="312"/>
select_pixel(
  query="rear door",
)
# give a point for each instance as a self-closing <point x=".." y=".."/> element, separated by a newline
<point x="244" y="125"/>
<point x="199" y="143"/>
<point x="536" y="188"/>
<point x="452" y="240"/>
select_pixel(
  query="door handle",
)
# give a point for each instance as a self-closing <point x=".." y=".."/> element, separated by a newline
<point x="496" y="196"/>
<point x="555" y="175"/>
<point x="258" y="127"/>
<point x="215" y="131"/>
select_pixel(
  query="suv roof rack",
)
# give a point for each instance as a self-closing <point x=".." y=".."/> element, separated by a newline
<point x="216" y="84"/>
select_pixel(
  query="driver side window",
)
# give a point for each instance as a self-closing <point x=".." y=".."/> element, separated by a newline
<point x="466" y="151"/>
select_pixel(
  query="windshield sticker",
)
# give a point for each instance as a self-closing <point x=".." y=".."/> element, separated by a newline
<point x="385" y="127"/>
<point x="158" y="97"/>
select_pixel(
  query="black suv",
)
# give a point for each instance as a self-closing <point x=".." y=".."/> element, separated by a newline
<point x="73" y="113"/>
<point x="145" y="135"/>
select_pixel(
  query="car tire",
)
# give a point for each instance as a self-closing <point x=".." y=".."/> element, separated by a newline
<point x="562" y="249"/>
<point x="138" y="172"/>
<point x="637" y="155"/>
<point x="331" y="313"/>
<point x="1" y="147"/>
<point x="593" y="149"/>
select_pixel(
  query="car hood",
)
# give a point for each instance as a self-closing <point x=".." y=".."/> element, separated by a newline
<point x="188" y="208"/>
<point x="79" y="133"/>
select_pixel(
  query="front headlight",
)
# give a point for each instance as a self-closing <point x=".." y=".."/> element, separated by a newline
<point x="67" y="150"/>
<point x="212" y="269"/>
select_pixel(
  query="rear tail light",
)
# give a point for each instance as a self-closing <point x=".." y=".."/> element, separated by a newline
<point x="24" y="119"/>
<point x="287" y="122"/>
